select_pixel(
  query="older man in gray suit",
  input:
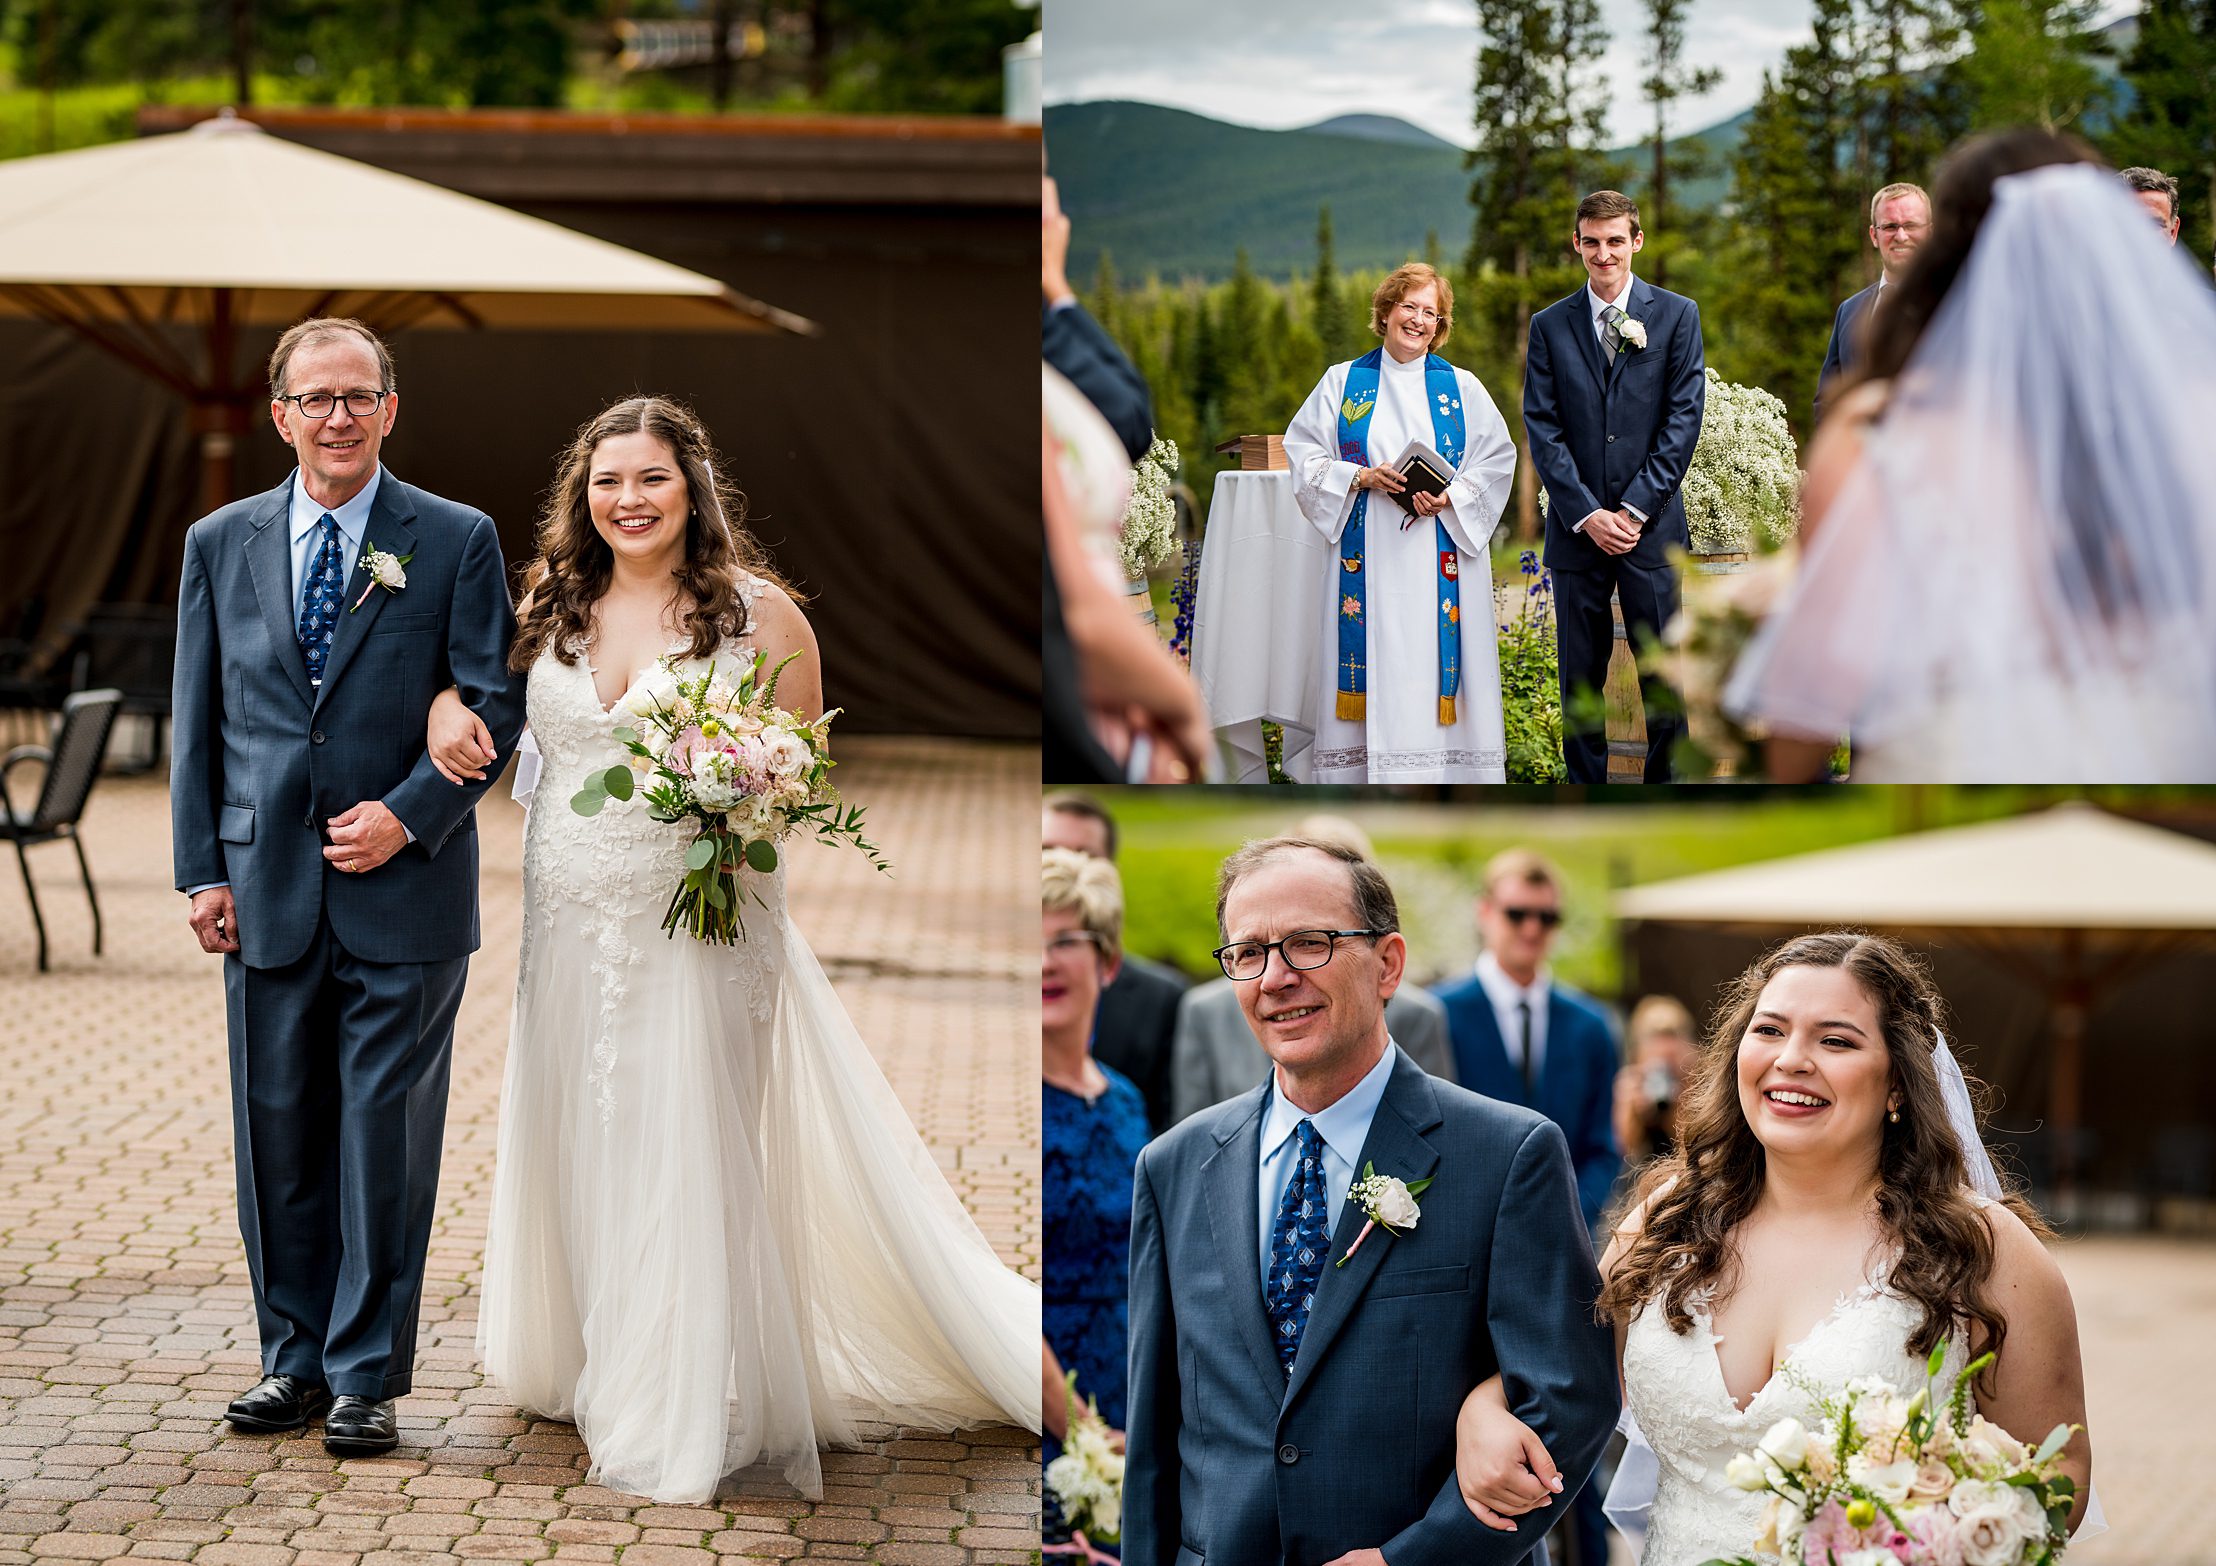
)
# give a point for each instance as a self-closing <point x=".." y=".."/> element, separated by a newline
<point x="333" y="867"/>
<point x="1295" y="1376"/>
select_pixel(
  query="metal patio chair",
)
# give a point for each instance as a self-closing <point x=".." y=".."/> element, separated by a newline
<point x="72" y="766"/>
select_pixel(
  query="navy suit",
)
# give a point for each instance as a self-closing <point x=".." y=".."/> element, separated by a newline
<point x="1074" y="343"/>
<point x="341" y="998"/>
<point x="1844" y="352"/>
<point x="1606" y="435"/>
<point x="1232" y="1462"/>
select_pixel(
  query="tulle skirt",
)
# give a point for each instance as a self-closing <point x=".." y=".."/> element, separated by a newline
<point x="717" y="1241"/>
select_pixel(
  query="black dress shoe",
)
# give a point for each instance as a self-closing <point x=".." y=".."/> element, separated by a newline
<point x="357" y="1426"/>
<point x="278" y="1403"/>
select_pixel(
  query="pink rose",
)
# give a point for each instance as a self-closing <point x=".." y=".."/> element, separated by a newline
<point x="682" y="749"/>
<point x="1936" y="1541"/>
<point x="1829" y="1533"/>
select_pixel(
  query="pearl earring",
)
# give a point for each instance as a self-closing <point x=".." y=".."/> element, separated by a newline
<point x="1893" y="1115"/>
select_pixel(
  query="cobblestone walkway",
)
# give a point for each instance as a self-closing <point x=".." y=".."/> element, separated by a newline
<point x="125" y="1321"/>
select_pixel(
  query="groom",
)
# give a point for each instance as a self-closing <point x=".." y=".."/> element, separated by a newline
<point x="333" y="867"/>
<point x="1613" y="393"/>
<point x="1287" y="1403"/>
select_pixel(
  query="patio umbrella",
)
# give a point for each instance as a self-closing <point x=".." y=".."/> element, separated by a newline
<point x="2072" y="900"/>
<point x="223" y="228"/>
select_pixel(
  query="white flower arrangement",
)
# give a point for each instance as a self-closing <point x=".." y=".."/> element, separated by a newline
<point x="1632" y="332"/>
<point x="1388" y="1202"/>
<point x="1742" y="491"/>
<point x="384" y="569"/>
<point x="1087" y="1478"/>
<point x="1150" y="520"/>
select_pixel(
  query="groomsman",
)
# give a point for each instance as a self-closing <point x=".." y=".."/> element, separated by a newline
<point x="1613" y="394"/>
<point x="1900" y="219"/>
<point x="2158" y="193"/>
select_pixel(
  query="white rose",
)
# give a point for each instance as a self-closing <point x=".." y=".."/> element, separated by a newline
<point x="721" y="694"/>
<point x="1634" y="332"/>
<point x="1746" y="1473"/>
<point x="1988" y="1444"/>
<point x="762" y="811"/>
<point x="1990" y="1535"/>
<point x="390" y="573"/>
<point x="1396" y="1209"/>
<point x="655" y="688"/>
<point x="1787" y="1443"/>
<point x="786" y="755"/>
<point x="1891" y="1480"/>
<point x="1980" y="1495"/>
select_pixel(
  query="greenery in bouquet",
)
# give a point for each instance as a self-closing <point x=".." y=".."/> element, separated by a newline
<point x="717" y="751"/>
<point x="1742" y="490"/>
<point x="1150" y="520"/>
<point x="1086" y="1480"/>
<point x="1888" y="1480"/>
<point x="1530" y="692"/>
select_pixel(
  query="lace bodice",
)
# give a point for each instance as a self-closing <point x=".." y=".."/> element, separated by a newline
<point x="616" y="871"/>
<point x="1675" y="1386"/>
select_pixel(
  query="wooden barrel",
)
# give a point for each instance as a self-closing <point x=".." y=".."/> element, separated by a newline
<point x="1627" y="719"/>
<point x="1140" y="596"/>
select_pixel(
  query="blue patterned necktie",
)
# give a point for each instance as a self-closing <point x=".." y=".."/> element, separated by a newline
<point x="319" y="601"/>
<point x="1298" y="1241"/>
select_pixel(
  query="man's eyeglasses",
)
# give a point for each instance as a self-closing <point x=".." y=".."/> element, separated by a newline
<point x="1890" y="229"/>
<point x="321" y="405"/>
<point x="1068" y="943"/>
<point x="1548" y="918"/>
<point x="1303" y="949"/>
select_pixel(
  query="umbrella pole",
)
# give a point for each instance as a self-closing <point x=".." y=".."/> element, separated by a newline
<point x="2072" y="997"/>
<point x="217" y="424"/>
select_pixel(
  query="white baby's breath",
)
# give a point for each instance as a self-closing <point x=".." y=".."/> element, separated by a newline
<point x="1742" y="491"/>
<point x="1150" y="521"/>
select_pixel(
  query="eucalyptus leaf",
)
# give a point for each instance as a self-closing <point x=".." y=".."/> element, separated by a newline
<point x="762" y="855"/>
<point x="587" y="801"/>
<point x="702" y="854"/>
<point x="626" y="735"/>
<point x="617" y="781"/>
<point x="717" y="898"/>
<point x="2057" y="1439"/>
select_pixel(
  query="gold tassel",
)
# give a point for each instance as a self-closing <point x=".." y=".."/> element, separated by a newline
<point x="1446" y="710"/>
<point x="1352" y="706"/>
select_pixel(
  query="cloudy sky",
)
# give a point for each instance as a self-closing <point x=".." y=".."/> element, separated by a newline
<point x="1282" y="63"/>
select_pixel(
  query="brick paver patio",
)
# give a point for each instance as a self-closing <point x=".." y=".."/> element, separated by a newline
<point x="125" y="1323"/>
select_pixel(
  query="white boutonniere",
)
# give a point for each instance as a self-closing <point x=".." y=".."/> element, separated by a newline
<point x="384" y="570"/>
<point x="1386" y="1200"/>
<point x="1632" y="332"/>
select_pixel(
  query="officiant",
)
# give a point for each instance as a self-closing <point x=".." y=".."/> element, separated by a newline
<point x="1404" y="464"/>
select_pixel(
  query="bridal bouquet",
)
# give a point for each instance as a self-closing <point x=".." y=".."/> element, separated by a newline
<point x="1087" y="1479"/>
<point x="717" y="751"/>
<point x="1887" y="1480"/>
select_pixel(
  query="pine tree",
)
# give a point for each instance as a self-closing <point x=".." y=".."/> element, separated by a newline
<point x="1668" y="79"/>
<point x="2172" y="123"/>
<point x="1325" y="308"/>
<point x="2031" y="62"/>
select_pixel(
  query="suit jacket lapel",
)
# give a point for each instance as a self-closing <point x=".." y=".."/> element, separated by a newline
<point x="1588" y="340"/>
<point x="269" y="562"/>
<point x="1233" y="1176"/>
<point x="1395" y="1145"/>
<point x="388" y="529"/>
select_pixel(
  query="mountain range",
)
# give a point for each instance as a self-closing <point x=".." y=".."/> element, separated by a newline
<point x="1169" y="192"/>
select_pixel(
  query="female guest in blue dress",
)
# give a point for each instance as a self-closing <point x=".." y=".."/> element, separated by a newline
<point x="1094" y="1125"/>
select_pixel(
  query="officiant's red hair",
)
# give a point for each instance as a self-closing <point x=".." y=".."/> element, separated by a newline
<point x="1404" y="281"/>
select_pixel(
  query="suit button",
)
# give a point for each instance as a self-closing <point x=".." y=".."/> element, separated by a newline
<point x="1288" y="1453"/>
<point x="317" y="736"/>
<point x="1611" y="440"/>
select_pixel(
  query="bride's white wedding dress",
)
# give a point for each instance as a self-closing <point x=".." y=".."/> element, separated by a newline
<point x="716" y="1239"/>
<point x="1674" y="1385"/>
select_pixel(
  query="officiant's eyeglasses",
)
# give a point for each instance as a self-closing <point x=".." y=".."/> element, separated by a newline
<point x="1303" y="949"/>
<point x="320" y="405"/>
<point x="1420" y="312"/>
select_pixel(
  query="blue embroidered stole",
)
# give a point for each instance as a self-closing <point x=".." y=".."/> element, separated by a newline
<point x="1357" y="403"/>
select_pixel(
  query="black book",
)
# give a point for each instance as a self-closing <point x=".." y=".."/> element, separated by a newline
<point x="1425" y="470"/>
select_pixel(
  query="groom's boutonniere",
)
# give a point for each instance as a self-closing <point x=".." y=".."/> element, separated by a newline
<point x="385" y="570"/>
<point x="1387" y="1200"/>
<point x="1632" y="332"/>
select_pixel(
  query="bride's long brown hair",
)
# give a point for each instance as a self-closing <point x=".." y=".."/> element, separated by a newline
<point x="1699" y="1195"/>
<point x="574" y="564"/>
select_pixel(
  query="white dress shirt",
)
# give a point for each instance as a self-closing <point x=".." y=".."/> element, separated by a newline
<point x="1506" y="995"/>
<point x="306" y="522"/>
<point x="1344" y="1127"/>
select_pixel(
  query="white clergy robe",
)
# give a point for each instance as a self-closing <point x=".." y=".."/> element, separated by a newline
<point x="1401" y="740"/>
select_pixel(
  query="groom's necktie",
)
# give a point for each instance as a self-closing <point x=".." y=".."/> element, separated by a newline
<point x="1523" y="1017"/>
<point x="1612" y="338"/>
<point x="319" y="600"/>
<point x="1298" y="1241"/>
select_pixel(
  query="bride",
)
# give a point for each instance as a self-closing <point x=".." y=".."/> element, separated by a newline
<point x="716" y="1239"/>
<point x="2008" y="547"/>
<point x="1819" y="1222"/>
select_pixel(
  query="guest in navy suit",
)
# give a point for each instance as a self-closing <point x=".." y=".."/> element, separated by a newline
<point x="1900" y="217"/>
<point x="1613" y="396"/>
<point x="1523" y="1039"/>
